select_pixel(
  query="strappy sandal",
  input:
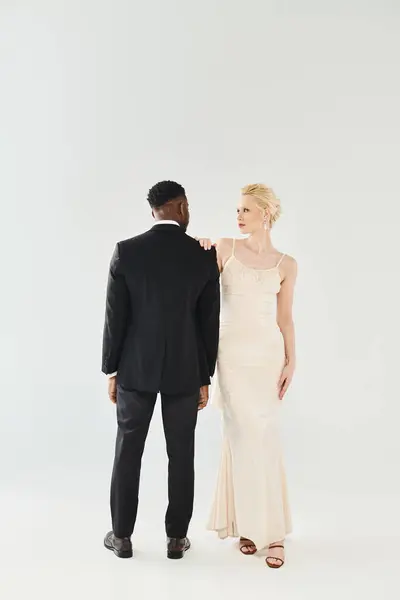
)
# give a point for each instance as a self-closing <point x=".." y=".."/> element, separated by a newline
<point x="274" y="565"/>
<point x="246" y="543"/>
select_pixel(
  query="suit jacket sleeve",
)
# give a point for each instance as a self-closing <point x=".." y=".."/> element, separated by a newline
<point x="116" y="317"/>
<point x="208" y="308"/>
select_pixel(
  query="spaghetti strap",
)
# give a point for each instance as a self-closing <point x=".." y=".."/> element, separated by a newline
<point x="280" y="260"/>
<point x="233" y="247"/>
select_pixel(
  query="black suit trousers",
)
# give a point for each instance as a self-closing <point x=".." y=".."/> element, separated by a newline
<point x="134" y="413"/>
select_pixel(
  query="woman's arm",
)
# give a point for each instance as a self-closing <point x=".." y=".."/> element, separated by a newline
<point x="285" y="321"/>
<point x="224" y="250"/>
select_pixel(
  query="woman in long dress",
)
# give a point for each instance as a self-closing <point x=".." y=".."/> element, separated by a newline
<point x="255" y="366"/>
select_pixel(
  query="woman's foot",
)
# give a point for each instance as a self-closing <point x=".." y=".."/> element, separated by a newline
<point x="247" y="546"/>
<point x="276" y="555"/>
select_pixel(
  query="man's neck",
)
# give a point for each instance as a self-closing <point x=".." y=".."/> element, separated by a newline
<point x="166" y="222"/>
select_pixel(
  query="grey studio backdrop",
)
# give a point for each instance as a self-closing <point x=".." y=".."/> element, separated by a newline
<point x="103" y="99"/>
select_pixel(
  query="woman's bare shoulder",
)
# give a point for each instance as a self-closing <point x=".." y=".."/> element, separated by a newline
<point x="290" y="260"/>
<point x="288" y="265"/>
<point x="224" y="251"/>
<point x="224" y="244"/>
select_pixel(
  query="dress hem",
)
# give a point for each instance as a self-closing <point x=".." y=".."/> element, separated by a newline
<point x="223" y="535"/>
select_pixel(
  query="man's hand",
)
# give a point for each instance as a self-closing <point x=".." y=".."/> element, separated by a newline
<point x="112" y="389"/>
<point x="203" y="398"/>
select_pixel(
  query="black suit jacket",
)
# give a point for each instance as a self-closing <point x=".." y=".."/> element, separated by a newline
<point x="162" y="312"/>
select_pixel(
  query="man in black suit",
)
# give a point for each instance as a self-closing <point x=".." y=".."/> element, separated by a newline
<point x="160" y="335"/>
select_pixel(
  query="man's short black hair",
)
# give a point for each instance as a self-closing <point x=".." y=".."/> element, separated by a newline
<point x="163" y="192"/>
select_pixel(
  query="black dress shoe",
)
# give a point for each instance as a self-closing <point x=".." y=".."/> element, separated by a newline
<point x="177" y="547"/>
<point x="122" y="547"/>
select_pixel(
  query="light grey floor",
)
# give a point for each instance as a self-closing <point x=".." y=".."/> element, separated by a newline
<point x="52" y="548"/>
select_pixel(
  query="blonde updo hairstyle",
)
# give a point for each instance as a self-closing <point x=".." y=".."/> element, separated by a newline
<point x="265" y="200"/>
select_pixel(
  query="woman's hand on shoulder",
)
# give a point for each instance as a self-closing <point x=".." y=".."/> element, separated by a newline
<point x="205" y="243"/>
<point x="222" y="243"/>
<point x="223" y="247"/>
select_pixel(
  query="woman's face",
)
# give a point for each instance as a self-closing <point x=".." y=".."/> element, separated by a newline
<point x="250" y="217"/>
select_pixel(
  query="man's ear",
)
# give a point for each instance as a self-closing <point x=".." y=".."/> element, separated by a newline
<point x="180" y="208"/>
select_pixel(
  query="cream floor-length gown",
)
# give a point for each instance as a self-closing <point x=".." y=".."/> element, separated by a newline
<point x="251" y="496"/>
